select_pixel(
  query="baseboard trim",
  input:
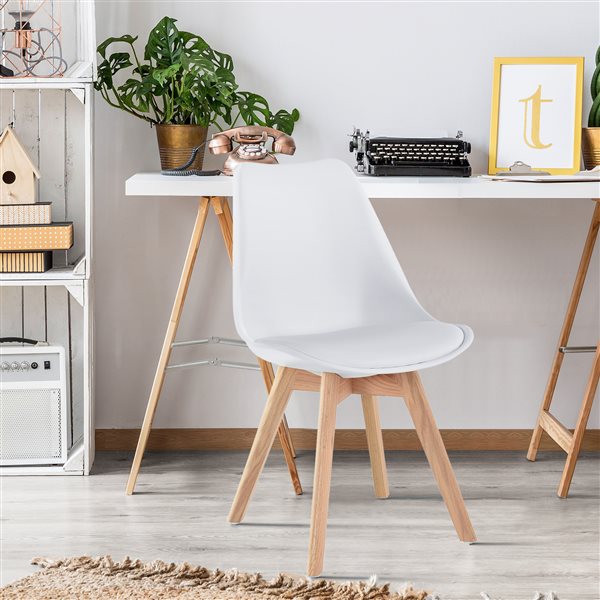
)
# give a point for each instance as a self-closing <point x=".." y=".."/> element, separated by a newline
<point x="345" y="439"/>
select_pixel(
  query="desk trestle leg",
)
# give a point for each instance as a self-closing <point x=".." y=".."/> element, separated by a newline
<point x="570" y="442"/>
<point x="223" y="212"/>
<point x="165" y="354"/>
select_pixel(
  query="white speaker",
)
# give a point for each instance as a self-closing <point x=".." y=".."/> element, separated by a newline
<point x="33" y="405"/>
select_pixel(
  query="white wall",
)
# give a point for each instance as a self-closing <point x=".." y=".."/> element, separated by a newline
<point x="504" y="267"/>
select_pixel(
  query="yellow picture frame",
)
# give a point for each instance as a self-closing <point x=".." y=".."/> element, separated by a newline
<point x="500" y="62"/>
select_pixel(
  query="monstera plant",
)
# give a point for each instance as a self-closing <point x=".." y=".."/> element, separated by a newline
<point x="181" y="85"/>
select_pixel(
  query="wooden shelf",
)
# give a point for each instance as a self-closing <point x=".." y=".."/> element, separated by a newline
<point x="48" y="278"/>
<point x="55" y="276"/>
<point x="77" y="75"/>
<point x="15" y="83"/>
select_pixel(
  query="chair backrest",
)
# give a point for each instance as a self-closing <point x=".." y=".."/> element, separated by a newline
<point x="310" y="255"/>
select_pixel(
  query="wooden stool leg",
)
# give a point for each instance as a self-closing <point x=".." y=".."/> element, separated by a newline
<point x="563" y="340"/>
<point x="165" y="353"/>
<point x="223" y="211"/>
<point x="331" y="394"/>
<point x="370" y="406"/>
<point x="271" y="420"/>
<point x="584" y="413"/>
<point x="434" y="448"/>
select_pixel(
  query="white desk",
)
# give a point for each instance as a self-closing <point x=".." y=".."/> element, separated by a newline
<point x="214" y="191"/>
<point x="155" y="184"/>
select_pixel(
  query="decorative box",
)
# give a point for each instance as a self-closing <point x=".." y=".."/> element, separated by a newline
<point x="25" y="262"/>
<point x="53" y="236"/>
<point x="26" y="214"/>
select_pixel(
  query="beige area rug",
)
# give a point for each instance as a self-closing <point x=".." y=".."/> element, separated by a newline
<point x="86" y="578"/>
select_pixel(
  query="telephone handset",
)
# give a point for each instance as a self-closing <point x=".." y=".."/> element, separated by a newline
<point x="252" y="141"/>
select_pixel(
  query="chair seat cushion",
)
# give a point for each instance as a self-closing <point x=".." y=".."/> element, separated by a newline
<point x="369" y="350"/>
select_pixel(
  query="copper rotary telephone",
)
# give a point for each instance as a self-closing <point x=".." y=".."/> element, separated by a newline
<point x="251" y="140"/>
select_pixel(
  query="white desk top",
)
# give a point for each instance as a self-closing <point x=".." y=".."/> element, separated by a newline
<point x="155" y="184"/>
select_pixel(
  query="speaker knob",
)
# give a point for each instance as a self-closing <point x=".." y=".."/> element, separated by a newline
<point x="14" y="366"/>
<point x="5" y="366"/>
<point x="25" y="366"/>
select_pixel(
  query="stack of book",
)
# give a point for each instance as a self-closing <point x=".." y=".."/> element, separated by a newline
<point x="28" y="236"/>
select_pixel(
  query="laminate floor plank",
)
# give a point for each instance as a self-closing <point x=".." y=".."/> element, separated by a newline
<point x="528" y="538"/>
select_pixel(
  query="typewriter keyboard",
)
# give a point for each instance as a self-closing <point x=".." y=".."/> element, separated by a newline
<point x="400" y="153"/>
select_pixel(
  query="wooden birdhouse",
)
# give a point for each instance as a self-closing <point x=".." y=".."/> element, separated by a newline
<point x="18" y="174"/>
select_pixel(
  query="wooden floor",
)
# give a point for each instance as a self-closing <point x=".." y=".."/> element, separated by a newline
<point x="529" y="539"/>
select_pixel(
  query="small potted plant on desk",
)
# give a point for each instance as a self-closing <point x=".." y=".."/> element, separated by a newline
<point x="591" y="133"/>
<point x="182" y="86"/>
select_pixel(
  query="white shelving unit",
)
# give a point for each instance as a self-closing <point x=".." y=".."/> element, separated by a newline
<point x="53" y="119"/>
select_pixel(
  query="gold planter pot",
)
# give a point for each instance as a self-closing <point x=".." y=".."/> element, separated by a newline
<point x="590" y="142"/>
<point x="176" y="142"/>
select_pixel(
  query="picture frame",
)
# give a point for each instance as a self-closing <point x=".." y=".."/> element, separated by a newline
<point x="536" y="114"/>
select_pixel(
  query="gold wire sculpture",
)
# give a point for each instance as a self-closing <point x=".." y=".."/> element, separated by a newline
<point x="30" y="37"/>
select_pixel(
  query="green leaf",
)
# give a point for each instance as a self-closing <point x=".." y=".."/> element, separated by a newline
<point x="118" y="61"/>
<point x="284" y="120"/>
<point x="162" y="75"/>
<point x="224" y="61"/>
<point x="194" y="45"/>
<point x="127" y="39"/>
<point x="136" y="94"/>
<point x="104" y="78"/>
<point x="200" y="66"/>
<point x="254" y="109"/>
<point x="164" y="45"/>
<point x="111" y="66"/>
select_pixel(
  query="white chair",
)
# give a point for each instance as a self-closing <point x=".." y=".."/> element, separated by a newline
<point x="318" y="290"/>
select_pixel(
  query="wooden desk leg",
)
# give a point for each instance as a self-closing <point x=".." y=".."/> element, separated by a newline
<point x="223" y="211"/>
<point x="584" y="413"/>
<point x="165" y="353"/>
<point x="563" y="340"/>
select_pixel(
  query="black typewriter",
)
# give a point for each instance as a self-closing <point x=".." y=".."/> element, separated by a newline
<point x="421" y="157"/>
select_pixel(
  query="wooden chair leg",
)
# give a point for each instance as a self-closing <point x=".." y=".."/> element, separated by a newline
<point x="163" y="361"/>
<point x="434" y="448"/>
<point x="330" y="396"/>
<point x="269" y="424"/>
<point x="289" y="437"/>
<point x="223" y="211"/>
<point x="370" y="406"/>
<point x="584" y="413"/>
<point x="563" y="339"/>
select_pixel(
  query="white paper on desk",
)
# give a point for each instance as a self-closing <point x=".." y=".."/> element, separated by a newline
<point x="585" y="176"/>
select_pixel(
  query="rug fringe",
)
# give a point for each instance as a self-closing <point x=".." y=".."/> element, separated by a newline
<point x="187" y="575"/>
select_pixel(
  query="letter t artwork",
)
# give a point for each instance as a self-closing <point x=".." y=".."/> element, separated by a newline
<point x="532" y="116"/>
